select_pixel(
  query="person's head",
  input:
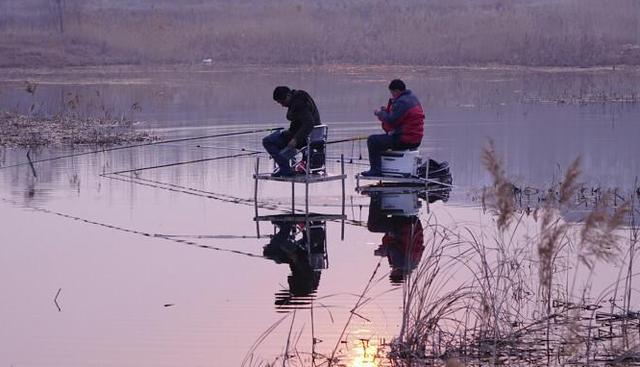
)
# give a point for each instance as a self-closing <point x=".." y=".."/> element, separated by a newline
<point x="282" y="95"/>
<point x="396" y="87"/>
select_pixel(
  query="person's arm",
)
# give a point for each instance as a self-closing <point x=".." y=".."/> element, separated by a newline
<point x="399" y="108"/>
<point x="301" y="112"/>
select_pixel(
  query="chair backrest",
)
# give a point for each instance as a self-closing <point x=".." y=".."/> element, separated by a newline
<point x="319" y="134"/>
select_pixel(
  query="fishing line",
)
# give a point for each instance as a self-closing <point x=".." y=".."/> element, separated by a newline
<point x="133" y="231"/>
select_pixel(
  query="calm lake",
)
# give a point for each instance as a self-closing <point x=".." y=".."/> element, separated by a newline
<point x="167" y="267"/>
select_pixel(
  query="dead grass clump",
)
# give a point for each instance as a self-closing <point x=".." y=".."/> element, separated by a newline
<point x="18" y="130"/>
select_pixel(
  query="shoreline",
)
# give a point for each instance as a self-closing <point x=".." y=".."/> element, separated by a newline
<point x="218" y="67"/>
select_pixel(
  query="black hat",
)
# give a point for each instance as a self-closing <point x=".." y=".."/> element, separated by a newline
<point x="281" y="93"/>
<point x="397" y="84"/>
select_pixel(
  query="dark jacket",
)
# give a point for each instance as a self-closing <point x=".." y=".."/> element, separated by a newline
<point x="303" y="115"/>
<point x="404" y="118"/>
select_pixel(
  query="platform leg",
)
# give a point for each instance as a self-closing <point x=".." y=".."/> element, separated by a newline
<point x="343" y="194"/>
<point x="426" y="185"/>
<point x="343" y="179"/>
<point x="255" y="197"/>
<point x="306" y="198"/>
<point x="293" y="198"/>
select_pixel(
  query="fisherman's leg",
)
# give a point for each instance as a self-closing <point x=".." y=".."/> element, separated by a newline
<point x="273" y="144"/>
<point x="376" y="145"/>
<point x="399" y="145"/>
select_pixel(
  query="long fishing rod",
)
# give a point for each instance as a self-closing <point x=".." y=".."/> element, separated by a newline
<point x="180" y="163"/>
<point x="235" y="133"/>
<point x="355" y="138"/>
<point x="348" y="160"/>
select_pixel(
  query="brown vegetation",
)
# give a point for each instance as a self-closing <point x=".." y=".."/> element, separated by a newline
<point x="505" y="315"/>
<point x="18" y="130"/>
<point x="456" y="32"/>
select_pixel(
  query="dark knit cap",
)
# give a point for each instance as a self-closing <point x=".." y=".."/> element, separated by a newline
<point x="281" y="93"/>
<point x="397" y="84"/>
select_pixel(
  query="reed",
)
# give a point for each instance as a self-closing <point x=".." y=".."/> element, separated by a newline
<point x="528" y="298"/>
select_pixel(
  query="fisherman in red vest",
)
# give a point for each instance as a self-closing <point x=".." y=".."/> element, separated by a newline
<point x="403" y="123"/>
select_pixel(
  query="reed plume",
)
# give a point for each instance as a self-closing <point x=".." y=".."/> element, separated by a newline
<point x="502" y="191"/>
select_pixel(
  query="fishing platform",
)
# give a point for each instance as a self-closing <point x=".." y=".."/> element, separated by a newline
<point x="310" y="169"/>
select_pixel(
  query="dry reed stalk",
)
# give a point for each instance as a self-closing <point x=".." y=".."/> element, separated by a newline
<point x="502" y="191"/>
<point x="598" y="238"/>
<point x="569" y="186"/>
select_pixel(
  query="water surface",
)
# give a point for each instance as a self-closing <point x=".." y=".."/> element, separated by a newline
<point x="164" y="266"/>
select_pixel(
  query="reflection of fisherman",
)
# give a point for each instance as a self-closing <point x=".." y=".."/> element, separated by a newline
<point x="299" y="254"/>
<point x="403" y="240"/>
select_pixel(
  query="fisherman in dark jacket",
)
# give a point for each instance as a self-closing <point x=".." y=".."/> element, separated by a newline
<point x="303" y="114"/>
<point x="403" y="122"/>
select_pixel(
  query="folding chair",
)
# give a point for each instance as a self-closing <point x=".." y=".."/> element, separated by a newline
<point x="314" y="153"/>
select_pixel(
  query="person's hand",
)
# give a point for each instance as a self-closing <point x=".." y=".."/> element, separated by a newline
<point x="292" y="143"/>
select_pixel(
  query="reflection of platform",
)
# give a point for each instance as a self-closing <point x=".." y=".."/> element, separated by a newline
<point x="398" y="187"/>
<point x="300" y="178"/>
<point x="402" y="180"/>
<point x="295" y="218"/>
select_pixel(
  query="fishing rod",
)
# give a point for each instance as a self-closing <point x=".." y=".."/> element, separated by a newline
<point x="355" y="138"/>
<point x="235" y="133"/>
<point x="230" y="148"/>
<point x="180" y="163"/>
<point x="348" y="160"/>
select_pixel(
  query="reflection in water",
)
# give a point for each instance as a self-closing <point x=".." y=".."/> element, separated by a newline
<point x="366" y="352"/>
<point x="301" y="243"/>
<point x="396" y="215"/>
<point x="394" y="211"/>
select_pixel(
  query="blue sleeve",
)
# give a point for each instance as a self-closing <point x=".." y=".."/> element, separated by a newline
<point x="398" y="109"/>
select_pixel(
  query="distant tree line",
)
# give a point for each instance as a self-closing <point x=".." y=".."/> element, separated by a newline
<point x="428" y="32"/>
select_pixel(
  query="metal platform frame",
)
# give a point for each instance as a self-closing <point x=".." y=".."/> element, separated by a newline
<point x="306" y="179"/>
